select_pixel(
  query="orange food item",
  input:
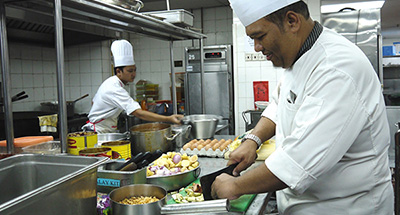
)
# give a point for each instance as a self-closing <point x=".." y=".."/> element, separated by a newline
<point x="28" y="141"/>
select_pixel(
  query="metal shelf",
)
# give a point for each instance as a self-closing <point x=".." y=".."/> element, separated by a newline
<point x="98" y="17"/>
<point x="93" y="17"/>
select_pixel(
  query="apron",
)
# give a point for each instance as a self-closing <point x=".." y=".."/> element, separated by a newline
<point x="108" y="125"/>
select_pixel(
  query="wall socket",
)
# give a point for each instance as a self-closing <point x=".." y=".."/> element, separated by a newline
<point x="255" y="57"/>
<point x="248" y="57"/>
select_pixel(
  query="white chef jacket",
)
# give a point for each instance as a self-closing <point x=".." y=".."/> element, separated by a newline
<point x="332" y="134"/>
<point x="108" y="103"/>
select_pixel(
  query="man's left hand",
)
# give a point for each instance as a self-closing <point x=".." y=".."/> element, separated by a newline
<point x="224" y="187"/>
<point x="176" y="118"/>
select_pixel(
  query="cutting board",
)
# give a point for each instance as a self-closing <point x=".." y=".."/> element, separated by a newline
<point x="238" y="205"/>
<point x="28" y="141"/>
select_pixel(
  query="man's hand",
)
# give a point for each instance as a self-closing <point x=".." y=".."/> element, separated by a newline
<point x="224" y="187"/>
<point x="176" y="118"/>
<point x="245" y="155"/>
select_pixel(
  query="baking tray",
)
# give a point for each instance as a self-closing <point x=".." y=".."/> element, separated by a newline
<point x="178" y="17"/>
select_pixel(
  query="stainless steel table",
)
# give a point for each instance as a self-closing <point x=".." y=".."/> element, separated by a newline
<point x="209" y="165"/>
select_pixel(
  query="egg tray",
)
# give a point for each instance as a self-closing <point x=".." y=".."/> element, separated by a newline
<point x="203" y="152"/>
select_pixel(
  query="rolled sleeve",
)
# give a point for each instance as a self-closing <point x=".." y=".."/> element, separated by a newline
<point x="294" y="176"/>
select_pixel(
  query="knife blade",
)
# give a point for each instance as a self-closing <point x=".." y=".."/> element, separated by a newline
<point x="206" y="181"/>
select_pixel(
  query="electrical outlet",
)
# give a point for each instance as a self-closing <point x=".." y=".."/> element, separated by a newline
<point x="254" y="57"/>
<point x="261" y="56"/>
<point x="248" y="57"/>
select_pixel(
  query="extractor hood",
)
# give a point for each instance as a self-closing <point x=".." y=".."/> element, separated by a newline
<point x="27" y="32"/>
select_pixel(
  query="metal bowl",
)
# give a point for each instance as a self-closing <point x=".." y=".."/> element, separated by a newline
<point x="203" y="125"/>
<point x="138" y="190"/>
<point x="177" y="181"/>
<point x="106" y="137"/>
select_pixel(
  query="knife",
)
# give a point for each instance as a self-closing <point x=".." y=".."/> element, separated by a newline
<point x="206" y="181"/>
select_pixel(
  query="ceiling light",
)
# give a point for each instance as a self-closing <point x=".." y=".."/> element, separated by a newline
<point x="356" y="5"/>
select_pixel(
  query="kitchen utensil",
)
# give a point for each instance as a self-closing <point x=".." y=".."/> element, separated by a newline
<point x="176" y="181"/>
<point x="134" y="5"/>
<point x="109" y="179"/>
<point x="207" y="180"/>
<point x="59" y="185"/>
<point x="17" y="97"/>
<point x="130" y="167"/>
<point x="203" y="125"/>
<point x="240" y="204"/>
<point x="138" y="160"/>
<point x="135" y="159"/>
<point x="53" y="106"/>
<point x="183" y="137"/>
<point x="151" y="136"/>
<point x="50" y="147"/>
<point x="212" y="206"/>
<point x="107" y="137"/>
<point x="145" y="190"/>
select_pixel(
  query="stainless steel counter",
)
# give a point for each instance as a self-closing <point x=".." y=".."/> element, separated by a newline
<point x="209" y="165"/>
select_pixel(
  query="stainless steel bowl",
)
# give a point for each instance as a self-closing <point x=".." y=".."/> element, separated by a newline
<point x="175" y="182"/>
<point x="138" y="190"/>
<point x="106" y="137"/>
<point x="203" y="125"/>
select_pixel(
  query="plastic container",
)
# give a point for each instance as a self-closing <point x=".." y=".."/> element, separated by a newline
<point x="50" y="147"/>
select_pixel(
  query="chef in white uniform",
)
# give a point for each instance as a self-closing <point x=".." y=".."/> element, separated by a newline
<point x="112" y="98"/>
<point x="328" y="116"/>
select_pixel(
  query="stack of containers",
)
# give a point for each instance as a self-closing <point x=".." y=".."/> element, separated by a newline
<point x="146" y="91"/>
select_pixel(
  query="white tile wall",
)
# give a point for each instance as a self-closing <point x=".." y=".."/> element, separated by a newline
<point x="245" y="72"/>
<point x="33" y="70"/>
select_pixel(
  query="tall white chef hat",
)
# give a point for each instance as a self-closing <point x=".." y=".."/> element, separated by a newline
<point x="250" y="11"/>
<point x="122" y="52"/>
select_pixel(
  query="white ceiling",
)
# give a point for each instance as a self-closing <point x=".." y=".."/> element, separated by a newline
<point x="390" y="10"/>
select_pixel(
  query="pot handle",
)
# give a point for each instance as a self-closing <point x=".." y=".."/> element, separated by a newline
<point x="188" y="130"/>
<point x="173" y="137"/>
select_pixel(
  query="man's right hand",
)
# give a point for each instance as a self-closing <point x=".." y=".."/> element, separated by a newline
<point x="245" y="155"/>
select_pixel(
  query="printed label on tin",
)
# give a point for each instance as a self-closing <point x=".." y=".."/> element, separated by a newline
<point x="108" y="182"/>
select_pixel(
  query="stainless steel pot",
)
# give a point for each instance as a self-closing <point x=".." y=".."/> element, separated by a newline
<point x="183" y="132"/>
<point x="151" y="136"/>
<point x="137" y="190"/>
<point x="204" y="126"/>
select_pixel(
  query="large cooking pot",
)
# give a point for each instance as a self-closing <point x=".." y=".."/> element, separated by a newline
<point x="53" y="106"/>
<point x="151" y="136"/>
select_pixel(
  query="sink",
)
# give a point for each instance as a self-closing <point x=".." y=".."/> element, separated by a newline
<point x="48" y="184"/>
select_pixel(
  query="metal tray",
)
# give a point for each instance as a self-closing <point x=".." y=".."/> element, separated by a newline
<point x="175" y="182"/>
<point x="178" y="17"/>
<point x="108" y="179"/>
<point x="42" y="184"/>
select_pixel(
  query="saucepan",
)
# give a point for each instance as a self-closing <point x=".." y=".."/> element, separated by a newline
<point x="53" y="106"/>
<point x="204" y="126"/>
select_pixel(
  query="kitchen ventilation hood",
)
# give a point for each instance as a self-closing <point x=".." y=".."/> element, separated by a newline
<point x="85" y="21"/>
